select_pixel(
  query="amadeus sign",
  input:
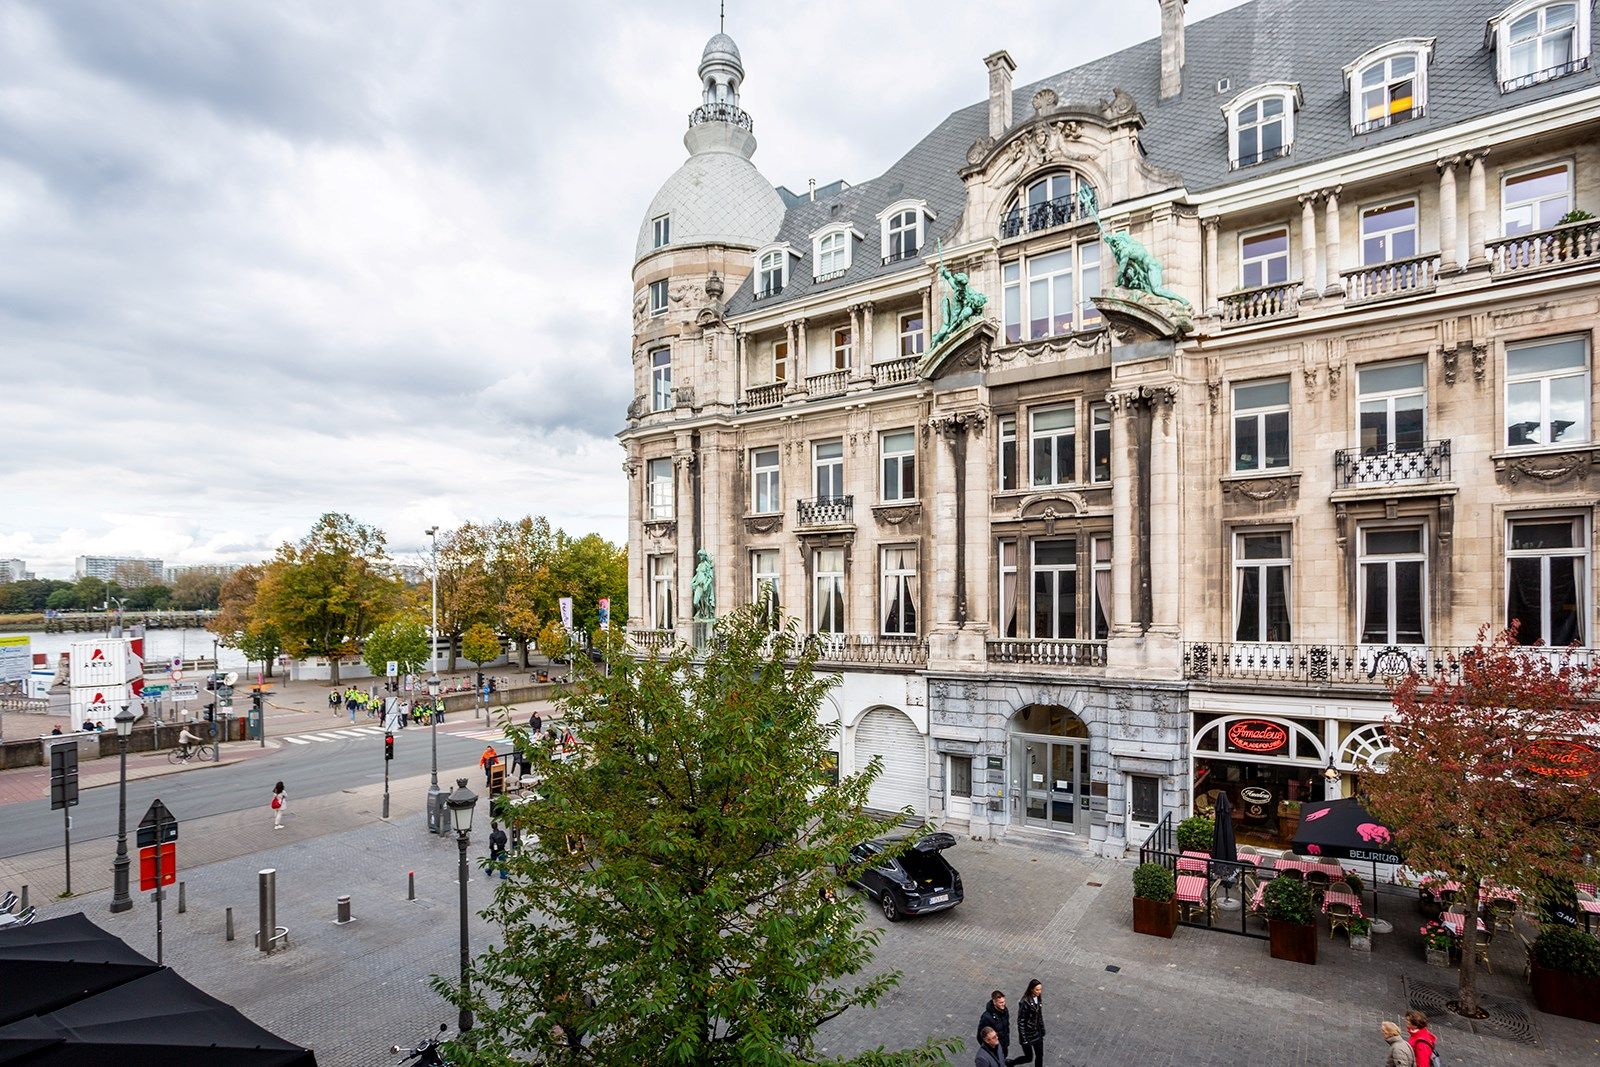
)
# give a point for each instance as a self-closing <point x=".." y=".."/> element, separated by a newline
<point x="1257" y="736"/>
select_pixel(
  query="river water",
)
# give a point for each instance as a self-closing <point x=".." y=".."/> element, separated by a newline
<point x="159" y="646"/>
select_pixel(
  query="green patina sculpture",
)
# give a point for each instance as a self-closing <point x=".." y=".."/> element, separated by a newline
<point x="703" y="588"/>
<point x="958" y="306"/>
<point x="1137" y="269"/>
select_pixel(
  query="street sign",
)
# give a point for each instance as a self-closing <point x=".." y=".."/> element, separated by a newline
<point x="157" y="823"/>
<point x="394" y="668"/>
<point x="177" y="676"/>
<point x="63" y="776"/>
<point x="177" y="666"/>
<point x="153" y="691"/>
<point x="147" y="866"/>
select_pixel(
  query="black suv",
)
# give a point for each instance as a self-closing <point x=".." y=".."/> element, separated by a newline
<point x="919" y="880"/>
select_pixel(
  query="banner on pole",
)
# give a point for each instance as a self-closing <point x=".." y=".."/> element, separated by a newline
<point x="566" y="612"/>
<point x="605" y="613"/>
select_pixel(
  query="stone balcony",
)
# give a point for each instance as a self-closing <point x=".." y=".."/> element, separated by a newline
<point x="1388" y="281"/>
<point x="1260" y="304"/>
<point x="829" y="383"/>
<point x="894" y="371"/>
<point x="1046" y="652"/>
<point x="651" y="642"/>
<point x="764" y="396"/>
<point x="869" y="650"/>
<point x="1356" y="468"/>
<point x="1280" y="664"/>
<point x="825" y="511"/>
<point x="1574" y="243"/>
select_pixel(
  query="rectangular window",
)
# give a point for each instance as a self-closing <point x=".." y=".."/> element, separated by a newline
<point x="661" y="230"/>
<point x="1050" y="297"/>
<point x="960" y="776"/>
<point x="827" y="600"/>
<point x="1011" y="293"/>
<point x="1088" y="283"/>
<point x="1264" y="258"/>
<point x="827" y="464"/>
<point x="1543" y="41"/>
<point x="1260" y="131"/>
<point x="658" y="489"/>
<point x="911" y="334"/>
<point x="898" y="596"/>
<point x="1144" y="798"/>
<point x="1388" y="233"/>
<point x="1391" y="400"/>
<point x="1052" y="443"/>
<point x="1535" y="200"/>
<point x="1547" y="392"/>
<point x="1389" y="92"/>
<point x="780" y="361"/>
<point x="1055" y="589"/>
<point x="1102" y="588"/>
<point x="661" y="379"/>
<point x="1008" y="452"/>
<point x="1546" y="563"/>
<point x="764" y="577"/>
<point x="1394" y="570"/>
<point x="1008" y="588"/>
<point x="1261" y="425"/>
<point x="661" y="570"/>
<point x="658" y="297"/>
<point x="764" y="498"/>
<point x="842" y="345"/>
<point x="899" y="453"/>
<point x="1100" y="443"/>
<point x="1261" y="586"/>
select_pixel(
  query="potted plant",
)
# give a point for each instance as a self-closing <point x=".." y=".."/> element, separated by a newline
<point x="1196" y="833"/>
<point x="1288" y="821"/>
<point x="1438" y="943"/>
<point x="1291" y="920"/>
<point x="1155" y="902"/>
<point x="1360" y="935"/>
<point x="1565" y="973"/>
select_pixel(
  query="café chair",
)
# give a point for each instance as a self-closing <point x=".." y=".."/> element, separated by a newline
<point x="1292" y="872"/>
<point x="1340" y="916"/>
<point x="1504" y="913"/>
<point x="1319" y="881"/>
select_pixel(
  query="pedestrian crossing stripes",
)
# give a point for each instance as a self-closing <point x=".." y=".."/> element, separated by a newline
<point x="494" y="735"/>
<point x="297" y="740"/>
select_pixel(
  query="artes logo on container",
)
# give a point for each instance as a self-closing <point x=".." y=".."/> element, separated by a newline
<point x="1257" y="736"/>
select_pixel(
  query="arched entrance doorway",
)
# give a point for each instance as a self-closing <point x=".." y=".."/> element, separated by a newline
<point x="1050" y="761"/>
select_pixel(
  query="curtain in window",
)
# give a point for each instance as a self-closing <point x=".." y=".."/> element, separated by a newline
<point x="1102" y="591"/>
<point x="913" y="591"/>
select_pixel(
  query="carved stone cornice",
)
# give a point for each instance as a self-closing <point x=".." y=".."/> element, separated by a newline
<point x="1148" y="395"/>
<point x="1283" y="487"/>
<point x="763" y="524"/>
<point x="1546" y="468"/>
<point x="956" y="422"/>
<point x="1089" y="343"/>
<point x="660" y="528"/>
<point x="896" y="515"/>
<point x="630" y="467"/>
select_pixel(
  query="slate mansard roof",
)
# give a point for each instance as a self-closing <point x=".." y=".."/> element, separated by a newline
<point x="1308" y="42"/>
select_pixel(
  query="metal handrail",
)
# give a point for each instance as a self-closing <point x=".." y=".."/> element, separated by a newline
<point x="721" y="112"/>
<point x="1428" y="462"/>
<point x="1043" y="216"/>
<point x="825" y="510"/>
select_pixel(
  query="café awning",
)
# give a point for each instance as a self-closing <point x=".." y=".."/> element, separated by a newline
<point x="1343" y="829"/>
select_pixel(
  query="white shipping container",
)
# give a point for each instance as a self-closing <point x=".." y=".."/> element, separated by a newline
<point x="102" y="662"/>
<point x="101" y="703"/>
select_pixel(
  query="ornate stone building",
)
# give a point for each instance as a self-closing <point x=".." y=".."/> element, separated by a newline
<point x="1282" y="386"/>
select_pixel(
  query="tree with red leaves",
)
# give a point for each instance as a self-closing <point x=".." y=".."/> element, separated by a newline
<point x="1494" y="775"/>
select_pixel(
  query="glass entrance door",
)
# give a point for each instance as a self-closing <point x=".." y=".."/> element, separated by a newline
<point x="1054" y="785"/>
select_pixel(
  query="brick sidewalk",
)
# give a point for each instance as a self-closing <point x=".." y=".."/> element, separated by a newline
<point x="33" y="783"/>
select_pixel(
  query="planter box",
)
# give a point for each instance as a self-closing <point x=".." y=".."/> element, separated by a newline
<point x="1293" y="942"/>
<point x="1361" y="944"/>
<point x="1437" y="957"/>
<point x="1571" y="995"/>
<point x="1159" y="918"/>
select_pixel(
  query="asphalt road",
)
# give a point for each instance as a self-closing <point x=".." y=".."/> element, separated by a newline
<point x="306" y="771"/>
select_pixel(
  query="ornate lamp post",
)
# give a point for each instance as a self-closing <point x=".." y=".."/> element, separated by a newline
<point x="462" y="802"/>
<point x="435" y="812"/>
<point x="120" y="900"/>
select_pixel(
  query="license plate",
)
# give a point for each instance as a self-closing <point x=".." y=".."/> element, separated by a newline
<point x="939" y="899"/>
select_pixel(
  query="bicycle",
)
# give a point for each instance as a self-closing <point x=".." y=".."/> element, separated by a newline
<point x="204" y="753"/>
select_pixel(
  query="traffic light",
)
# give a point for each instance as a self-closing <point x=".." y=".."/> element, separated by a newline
<point x="256" y="702"/>
<point x="480" y="679"/>
<point x="211" y="712"/>
<point x="388" y="746"/>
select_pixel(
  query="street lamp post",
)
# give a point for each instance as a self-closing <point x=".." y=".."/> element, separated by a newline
<point x="462" y="802"/>
<point x="120" y="900"/>
<point x="435" y="806"/>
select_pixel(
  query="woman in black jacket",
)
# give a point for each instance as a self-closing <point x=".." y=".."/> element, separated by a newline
<point x="1030" y="1026"/>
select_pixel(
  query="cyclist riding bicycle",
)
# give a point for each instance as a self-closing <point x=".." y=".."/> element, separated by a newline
<point x="186" y="742"/>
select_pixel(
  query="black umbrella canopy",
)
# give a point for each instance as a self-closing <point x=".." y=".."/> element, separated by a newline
<point x="1223" y="846"/>
<point x="1343" y="829"/>
<point x="158" y="1020"/>
<point x="48" y="965"/>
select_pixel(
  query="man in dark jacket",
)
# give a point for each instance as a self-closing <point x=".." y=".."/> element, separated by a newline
<point x="997" y="1017"/>
<point x="989" y="1052"/>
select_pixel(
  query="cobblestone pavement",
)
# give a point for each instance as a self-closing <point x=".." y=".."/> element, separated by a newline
<point x="1203" y="998"/>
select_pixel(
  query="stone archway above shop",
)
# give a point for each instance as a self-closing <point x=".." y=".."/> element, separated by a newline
<point x="1366" y="749"/>
<point x="1259" y="737"/>
<point x="1050" y="720"/>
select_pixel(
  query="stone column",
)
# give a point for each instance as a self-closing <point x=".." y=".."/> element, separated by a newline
<point x="1166" y="518"/>
<point x="1330" y="216"/>
<point x="1124" y="529"/>
<point x="1308" y="245"/>
<point x="1448" y="227"/>
<point x="1211" y="282"/>
<point x="1476" y="211"/>
<point x="637" y="590"/>
<point x="795" y="332"/>
<point x="864" y="345"/>
<point x="683" y="514"/>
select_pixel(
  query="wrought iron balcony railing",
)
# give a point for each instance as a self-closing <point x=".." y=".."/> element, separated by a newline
<point x="1316" y="665"/>
<point x="1042" y="216"/>
<point x="1400" y="277"/>
<point x="825" y="511"/>
<point x="904" y="253"/>
<point x="1560" y="70"/>
<point x="1260" y="304"/>
<point x="1265" y="155"/>
<point x="1048" y="652"/>
<point x="721" y="113"/>
<point x="1391" y="119"/>
<point x="1356" y="467"/>
<point x="768" y="293"/>
<point x="1559" y="246"/>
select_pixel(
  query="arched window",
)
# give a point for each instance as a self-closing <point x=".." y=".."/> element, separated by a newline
<point x="903" y="229"/>
<point x="1536" y="41"/>
<point x="1261" y="123"/>
<point x="833" y="254"/>
<point x="1389" y="84"/>
<point x="1044" y="203"/>
<point x="771" y="280"/>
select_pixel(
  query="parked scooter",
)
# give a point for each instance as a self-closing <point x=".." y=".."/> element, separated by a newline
<point x="425" y="1052"/>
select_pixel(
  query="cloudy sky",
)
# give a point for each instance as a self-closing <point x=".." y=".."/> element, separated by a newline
<point x="264" y="260"/>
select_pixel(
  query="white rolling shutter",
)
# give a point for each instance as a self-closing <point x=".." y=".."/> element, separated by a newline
<point x="904" y="780"/>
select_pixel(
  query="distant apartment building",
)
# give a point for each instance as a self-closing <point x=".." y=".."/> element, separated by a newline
<point x="14" y="570"/>
<point x="106" y="567"/>
<point x="411" y="573"/>
<point x="210" y="570"/>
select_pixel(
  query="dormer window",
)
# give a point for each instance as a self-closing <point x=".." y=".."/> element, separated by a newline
<point x="1535" y="41"/>
<point x="903" y="229"/>
<point x="1044" y="203"/>
<point x="1261" y="124"/>
<point x="830" y="251"/>
<point x="772" y="270"/>
<point x="1389" y="84"/>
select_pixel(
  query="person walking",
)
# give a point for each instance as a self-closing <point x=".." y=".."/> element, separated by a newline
<point x="989" y="1052"/>
<point x="1399" y="1051"/>
<point x="997" y="1017"/>
<point x="535" y="724"/>
<point x="489" y="758"/>
<point x="1030" y="1026"/>
<point x="497" y="851"/>
<point x="280" y="803"/>
<point x="1420" y="1038"/>
<point x="333" y="699"/>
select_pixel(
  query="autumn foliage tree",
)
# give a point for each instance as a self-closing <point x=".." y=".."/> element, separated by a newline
<point x="240" y="621"/>
<point x="1492" y="778"/>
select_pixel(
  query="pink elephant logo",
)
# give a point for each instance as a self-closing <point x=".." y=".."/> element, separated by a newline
<point x="1314" y="816"/>
<point x="1372" y="832"/>
<point x="1315" y="850"/>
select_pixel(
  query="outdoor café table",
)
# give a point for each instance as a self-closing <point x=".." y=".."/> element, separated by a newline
<point x="1486" y="892"/>
<point x="1191" y="889"/>
<point x="1194" y="861"/>
<point x="1339" y="896"/>
<point x="1590" y="909"/>
<point x="1332" y="870"/>
<point x="1453" y="921"/>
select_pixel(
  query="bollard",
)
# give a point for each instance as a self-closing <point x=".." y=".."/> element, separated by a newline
<point x="267" y="887"/>
<point x="344" y="911"/>
<point x="24" y="898"/>
<point x="183" y="903"/>
<point x="411" y="887"/>
<point x="229" y="935"/>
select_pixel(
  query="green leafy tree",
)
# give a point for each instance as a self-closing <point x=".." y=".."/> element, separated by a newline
<point x="192" y="591"/>
<point x="466" y="592"/>
<point x="149" y="598"/>
<point x="326" y="591"/>
<point x="403" y="640"/>
<point x="31" y="594"/>
<point x="588" y="568"/>
<point x="481" y="644"/>
<point x="62" y="599"/>
<point x="91" y="593"/>
<point x="687" y="879"/>
<point x="240" y="621"/>
<point x="521" y="568"/>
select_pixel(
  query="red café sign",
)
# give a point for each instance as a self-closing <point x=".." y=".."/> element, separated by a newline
<point x="1258" y="736"/>
<point x="1562" y="759"/>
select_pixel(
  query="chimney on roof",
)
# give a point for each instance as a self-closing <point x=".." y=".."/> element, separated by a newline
<point x="1000" y="66"/>
<point x="1171" y="47"/>
<point x="811" y="189"/>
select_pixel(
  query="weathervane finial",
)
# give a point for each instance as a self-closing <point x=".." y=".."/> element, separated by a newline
<point x="722" y="15"/>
